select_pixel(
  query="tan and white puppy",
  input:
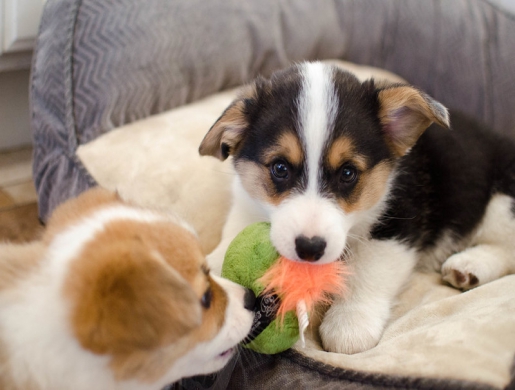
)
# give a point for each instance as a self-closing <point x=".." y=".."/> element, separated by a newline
<point x="369" y="173"/>
<point x="114" y="297"/>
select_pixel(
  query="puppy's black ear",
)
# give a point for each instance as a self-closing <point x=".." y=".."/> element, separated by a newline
<point x="225" y="135"/>
<point x="405" y="113"/>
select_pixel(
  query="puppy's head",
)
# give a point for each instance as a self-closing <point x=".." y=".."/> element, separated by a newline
<point x="317" y="149"/>
<point x="140" y="293"/>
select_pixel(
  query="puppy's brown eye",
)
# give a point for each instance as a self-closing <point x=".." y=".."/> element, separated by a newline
<point x="348" y="174"/>
<point x="206" y="299"/>
<point x="280" y="169"/>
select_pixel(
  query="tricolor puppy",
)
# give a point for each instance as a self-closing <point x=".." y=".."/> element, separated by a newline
<point x="113" y="297"/>
<point x="353" y="170"/>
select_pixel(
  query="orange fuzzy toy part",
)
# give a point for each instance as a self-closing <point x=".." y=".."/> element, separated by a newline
<point x="294" y="281"/>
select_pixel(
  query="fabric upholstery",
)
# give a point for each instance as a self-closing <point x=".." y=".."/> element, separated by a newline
<point x="102" y="64"/>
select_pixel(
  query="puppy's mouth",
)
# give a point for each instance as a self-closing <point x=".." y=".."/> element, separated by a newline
<point x="227" y="354"/>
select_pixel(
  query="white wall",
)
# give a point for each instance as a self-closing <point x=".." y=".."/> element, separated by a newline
<point x="14" y="109"/>
<point x="19" y="20"/>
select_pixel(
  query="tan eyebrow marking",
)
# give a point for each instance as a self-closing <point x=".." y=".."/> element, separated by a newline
<point x="370" y="188"/>
<point x="287" y="146"/>
<point x="343" y="150"/>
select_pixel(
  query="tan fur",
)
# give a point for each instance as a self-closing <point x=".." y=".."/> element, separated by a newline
<point x="405" y="115"/>
<point x="371" y="183"/>
<point x="229" y="128"/>
<point x="287" y="147"/>
<point x="70" y="212"/>
<point x="257" y="182"/>
<point x="147" y="365"/>
<point x="256" y="177"/>
<point x="341" y="151"/>
<point x="121" y="290"/>
<point x="369" y="189"/>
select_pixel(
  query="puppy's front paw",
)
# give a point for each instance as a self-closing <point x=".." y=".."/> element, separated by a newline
<point x="349" y="332"/>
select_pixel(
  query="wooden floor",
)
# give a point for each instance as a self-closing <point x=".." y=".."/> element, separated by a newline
<point x="18" y="208"/>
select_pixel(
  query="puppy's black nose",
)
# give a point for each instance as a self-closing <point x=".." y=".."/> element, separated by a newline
<point x="310" y="249"/>
<point x="249" y="300"/>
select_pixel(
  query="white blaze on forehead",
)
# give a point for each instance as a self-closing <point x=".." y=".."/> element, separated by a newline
<point x="318" y="106"/>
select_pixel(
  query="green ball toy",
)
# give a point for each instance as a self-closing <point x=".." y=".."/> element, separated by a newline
<point x="247" y="259"/>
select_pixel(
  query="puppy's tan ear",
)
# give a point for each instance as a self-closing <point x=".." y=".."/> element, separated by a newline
<point x="405" y="113"/>
<point x="125" y="300"/>
<point x="225" y="135"/>
<point x="73" y="209"/>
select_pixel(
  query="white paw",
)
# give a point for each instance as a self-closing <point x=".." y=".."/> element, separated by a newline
<point x="470" y="268"/>
<point x="349" y="332"/>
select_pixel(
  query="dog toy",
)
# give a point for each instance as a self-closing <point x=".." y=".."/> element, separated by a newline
<point x="287" y="290"/>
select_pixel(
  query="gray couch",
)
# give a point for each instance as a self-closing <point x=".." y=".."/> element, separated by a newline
<point x="101" y="64"/>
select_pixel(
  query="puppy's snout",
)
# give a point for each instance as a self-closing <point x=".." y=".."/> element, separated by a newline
<point x="249" y="300"/>
<point x="310" y="249"/>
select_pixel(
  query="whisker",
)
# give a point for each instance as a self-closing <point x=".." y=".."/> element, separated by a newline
<point x="361" y="239"/>
<point x="391" y="217"/>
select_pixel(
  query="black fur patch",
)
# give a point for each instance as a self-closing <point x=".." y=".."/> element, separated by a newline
<point x="446" y="181"/>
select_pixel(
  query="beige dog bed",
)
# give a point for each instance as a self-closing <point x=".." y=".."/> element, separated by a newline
<point x="437" y="335"/>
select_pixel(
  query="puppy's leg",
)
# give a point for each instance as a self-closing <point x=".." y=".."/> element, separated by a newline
<point x="244" y="212"/>
<point x="477" y="265"/>
<point x="355" y="322"/>
<point x="493" y="253"/>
